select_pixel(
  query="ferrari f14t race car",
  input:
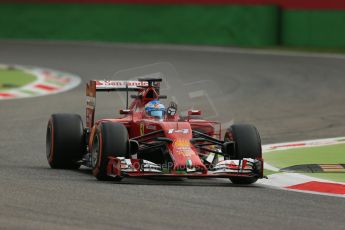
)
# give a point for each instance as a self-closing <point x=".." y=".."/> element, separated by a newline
<point x="149" y="140"/>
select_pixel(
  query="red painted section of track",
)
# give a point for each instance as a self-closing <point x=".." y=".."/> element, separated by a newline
<point x="7" y="95"/>
<point x="288" y="145"/>
<point x="46" y="87"/>
<point x="288" y="4"/>
<point x="322" y="187"/>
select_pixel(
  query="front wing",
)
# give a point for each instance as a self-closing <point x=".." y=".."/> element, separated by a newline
<point x="122" y="167"/>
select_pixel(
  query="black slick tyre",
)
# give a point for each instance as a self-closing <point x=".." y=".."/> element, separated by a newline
<point x="110" y="140"/>
<point x="247" y="145"/>
<point x="65" y="141"/>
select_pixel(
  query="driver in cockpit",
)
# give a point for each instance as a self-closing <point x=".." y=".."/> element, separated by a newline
<point x="155" y="109"/>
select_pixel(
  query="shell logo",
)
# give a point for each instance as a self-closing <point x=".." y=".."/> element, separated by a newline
<point x="181" y="143"/>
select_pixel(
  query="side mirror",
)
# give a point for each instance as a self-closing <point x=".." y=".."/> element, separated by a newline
<point x="125" y="111"/>
<point x="194" y="112"/>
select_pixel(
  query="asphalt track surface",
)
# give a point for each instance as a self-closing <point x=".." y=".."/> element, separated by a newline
<point x="287" y="97"/>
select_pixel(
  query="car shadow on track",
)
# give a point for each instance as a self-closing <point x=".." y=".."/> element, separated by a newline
<point x="85" y="175"/>
<point x="172" y="181"/>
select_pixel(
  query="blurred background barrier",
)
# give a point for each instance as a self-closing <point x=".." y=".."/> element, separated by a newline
<point x="188" y="24"/>
<point x="316" y="28"/>
<point x="302" y="23"/>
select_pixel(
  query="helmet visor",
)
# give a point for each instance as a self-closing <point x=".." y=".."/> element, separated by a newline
<point x="157" y="114"/>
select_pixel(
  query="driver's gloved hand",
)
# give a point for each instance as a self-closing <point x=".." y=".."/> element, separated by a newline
<point x="172" y="109"/>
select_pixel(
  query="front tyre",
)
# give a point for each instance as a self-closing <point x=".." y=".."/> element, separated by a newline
<point x="243" y="180"/>
<point x="110" y="140"/>
<point x="247" y="145"/>
<point x="65" y="141"/>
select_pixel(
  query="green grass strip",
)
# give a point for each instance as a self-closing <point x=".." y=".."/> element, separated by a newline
<point x="331" y="154"/>
<point x="338" y="177"/>
<point x="10" y="79"/>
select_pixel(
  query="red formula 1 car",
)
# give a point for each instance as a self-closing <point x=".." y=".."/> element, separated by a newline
<point x="138" y="145"/>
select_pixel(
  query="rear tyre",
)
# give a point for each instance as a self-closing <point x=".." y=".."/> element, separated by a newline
<point x="247" y="145"/>
<point x="110" y="140"/>
<point x="65" y="141"/>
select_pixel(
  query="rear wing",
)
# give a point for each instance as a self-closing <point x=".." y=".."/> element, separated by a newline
<point x="120" y="85"/>
<point x="113" y="85"/>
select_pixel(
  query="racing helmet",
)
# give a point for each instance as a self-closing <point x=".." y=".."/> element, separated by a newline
<point x="155" y="109"/>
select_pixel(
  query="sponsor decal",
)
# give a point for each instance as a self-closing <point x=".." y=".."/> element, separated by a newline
<point x="185" y="152"/>
<point x="142" y="129"/>
<point x="189" y="166"/>
<point x="121" y="83"/>
<point x="89" y="116"/>
<point x="182" y="147"/>
<point x="181" y="143"/>
<point x="151" y="127"/>
<point x="90" y="102"/>
<point x="107" y="85"/>
<point x="189" y="163"/>
<point x="184" y="131"/>
<point x="47" y="82"/>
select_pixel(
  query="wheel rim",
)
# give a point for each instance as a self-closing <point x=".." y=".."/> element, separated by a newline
<point x="229" y="136"/>
<point x="95" y="152"/>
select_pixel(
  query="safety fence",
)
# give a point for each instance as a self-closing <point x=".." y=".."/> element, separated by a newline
<point x="305" y="23"/>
